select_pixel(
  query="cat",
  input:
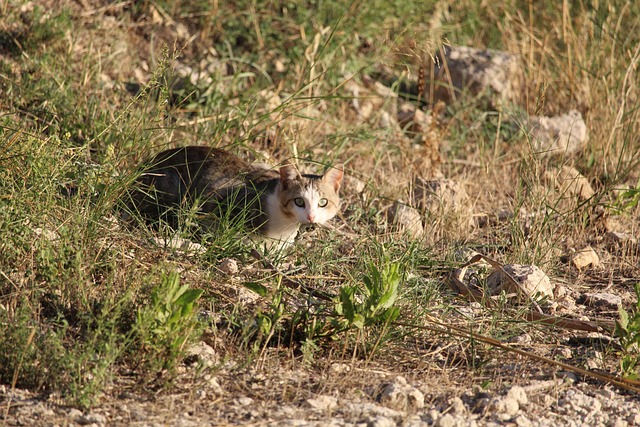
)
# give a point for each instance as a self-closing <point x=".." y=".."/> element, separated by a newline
<point x="271" y="204"/>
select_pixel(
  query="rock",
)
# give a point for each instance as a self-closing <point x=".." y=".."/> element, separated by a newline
<point x="401" y="396"/>
<point x="458" y="406"/>
<point x="565" y="134"/>
<point x="567" y="376"/>
<point x="92" y="419"/>
<point x="406" y="219"/>
<point x="229" y="266"/>
<point x="181" y="245"/>
<point x="440" y="196"/>
<point x="634" y="419"/>
<point x="446" y="420"/>
<point x="519" y="394"/>
<point x="523" y="421"/>
<point x="570" y="183"/>
<point x="204" y="354"/>
<point x="413" y="120"/>
<point x="323" y="402"/>
<point x="530" y="277"/>
<point x="74" y="413"/>
<point x="479" y="71"/>
<point x="49" y="235"/>
<point x="370" y="99"/>
<point x="583" y="258"/>
<point x="381" y="421"/>
<point x="244" y="401"/>
<point x="504" y="406"/>
<point x="601" y="300"/>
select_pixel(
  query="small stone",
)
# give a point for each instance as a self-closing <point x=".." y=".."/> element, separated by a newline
<point x="245" y="401"/>
<point x="413" y="120"/>
<point x="204" y="353"/>
<point x="567" y="376"/>
<point x="480" y="72"/>
<point x="519" y="394"/>
<point x="523" y="421"/>
<point x="447" y="420"/>
<point x="570" y="183"/>
<point x="634" y="419"/>
<point x="340" y="368"/>
<point x="583" y="258"/>
<point x="507" y="405"/>
<point x="601" y="300"/>
<point x="323" y="402"/>
<point x="402" y="396"/>
<point x="532" y="279"/>
<point x="407" y="220"/>
<point x="229" y="266"/>
<point x="458" y="406"/>
<point x="440" y="195"/>
<point x="74" y="413"/>
<point x="565" y="134"/>
<point x="381" y="421"/>
<point x="92" y="419"/>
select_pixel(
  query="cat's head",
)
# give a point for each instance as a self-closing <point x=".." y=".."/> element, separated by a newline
<point x="311" y="199"/>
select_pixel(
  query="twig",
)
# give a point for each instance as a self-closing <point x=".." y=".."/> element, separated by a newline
<point x="459" y="332"/>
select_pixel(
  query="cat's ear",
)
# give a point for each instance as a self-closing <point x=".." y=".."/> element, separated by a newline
<point x="288" y="173"/>
<point x="334" y="176"/>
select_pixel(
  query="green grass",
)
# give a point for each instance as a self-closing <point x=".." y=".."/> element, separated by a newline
<point x="82" y="294"/>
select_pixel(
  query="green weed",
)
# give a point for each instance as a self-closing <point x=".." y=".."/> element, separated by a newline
<point x="167" y="324"/>
<point x="628" y="331"/>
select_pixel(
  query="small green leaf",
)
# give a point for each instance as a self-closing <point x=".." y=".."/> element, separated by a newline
<point x="257" y="288"/>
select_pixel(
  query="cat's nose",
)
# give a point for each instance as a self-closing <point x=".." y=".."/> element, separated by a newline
<point x="311" y="217"/>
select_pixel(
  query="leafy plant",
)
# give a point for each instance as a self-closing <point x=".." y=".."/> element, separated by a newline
<point x="373" y="303"/>
<point x="168" y="322"/>
<point x="627" y="199"/>
<point x="628" y="330"/>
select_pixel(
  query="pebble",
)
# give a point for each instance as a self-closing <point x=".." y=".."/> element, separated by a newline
<point x="401" y="395"/>
<point x="229" y="266"/>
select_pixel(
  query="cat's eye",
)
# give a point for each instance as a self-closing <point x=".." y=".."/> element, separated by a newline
<point x="299" y="201"/>
<point x="322" y="202"/>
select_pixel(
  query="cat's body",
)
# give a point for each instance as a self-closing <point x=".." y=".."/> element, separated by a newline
<point x="270" y="203"/>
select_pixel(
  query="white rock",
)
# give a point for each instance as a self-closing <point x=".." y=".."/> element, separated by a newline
<point x="402" y="396"/>
<point x="381" y="421"/>
<point x="245" y="401"/>
<point x="406" y="219"/>
<point x="565" y="134"/>
<point x="585" y="257"/>
<point x="183" y="245"/>
<point x="519" y="394"/>
<point x="530" y="277"/>
<point x="323" y="402"/>
<point x="504" y="405"/>
<point x="440" y="195"/>
<point x="570" y="183"/>
<point x="205" y="354"/>
<point x="447" y="420"/>
<point x="458" y="406"/>
<point x="479" y="71"/>
<point x="229" y="266"/>
<point x="523" y="421"/>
